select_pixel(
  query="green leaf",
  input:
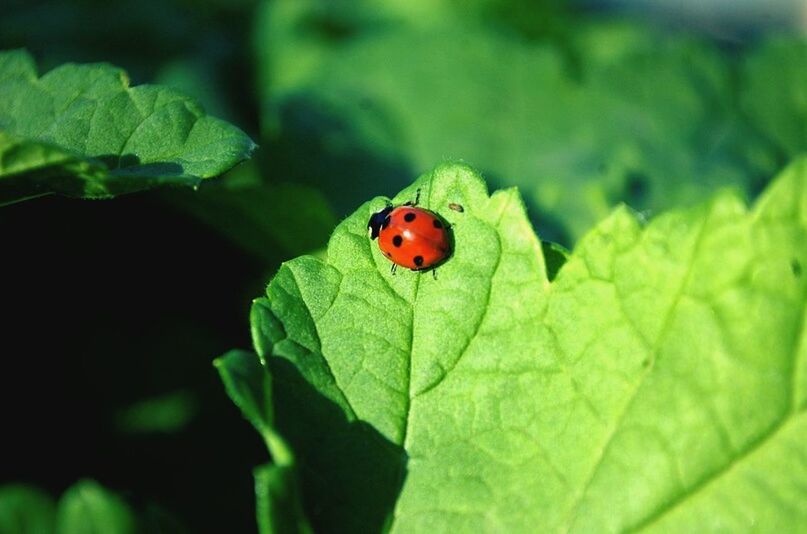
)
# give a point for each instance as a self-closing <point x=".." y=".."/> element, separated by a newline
<point x="775" y="92"/>
<point x="26" y="510"/>
<point x="88" y="508"/>
<point x="81" y="131"/>
<point x="653" y="127"/>
<point x="277" y="499"/>
<point x="658" y="383"/>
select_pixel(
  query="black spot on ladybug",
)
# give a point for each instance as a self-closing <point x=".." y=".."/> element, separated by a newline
<point x="409" y="217"/>
<point x="437" y="223"/>
<point x="418" y="260"/>
<point x="389" y="254"/>
<point x="397" y="241"/>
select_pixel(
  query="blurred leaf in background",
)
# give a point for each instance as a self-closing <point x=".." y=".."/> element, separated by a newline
<point x="26" y="510"/>
<point x="165" y="413"/>
<point x="198" y="77"/>
<point x="612" y="113"/>
<point x="774" y="92"/>
<point x="86" y="507"/>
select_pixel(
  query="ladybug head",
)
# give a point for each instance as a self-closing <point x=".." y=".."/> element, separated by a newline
<point x="378" y="221"/>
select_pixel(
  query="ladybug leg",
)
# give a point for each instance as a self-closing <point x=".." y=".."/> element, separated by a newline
<point x="417" y="199"/>
<point x="393" y="268"/>
<point x="434" y="274"/>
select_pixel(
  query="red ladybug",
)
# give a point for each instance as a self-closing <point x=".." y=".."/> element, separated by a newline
<point x="411" y="237"/>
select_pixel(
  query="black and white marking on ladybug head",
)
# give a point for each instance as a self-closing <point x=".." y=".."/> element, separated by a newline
<point x="378" y="221"/>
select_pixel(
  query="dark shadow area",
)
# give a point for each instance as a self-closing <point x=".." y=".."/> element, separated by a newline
<point x="547" y="226"/>
<point x="126" y="160"/>
<point x="320" y="149"/>
<point x="333" y="27"/>
<point x="129" y="166"/>
<point x="555" y="257"/>
<point x="637" y="188"/>
<point x="65" y="178"/>
<point x="157" y="169"/>
<point x="106" y="304"/>
<point x="350" y="475"/>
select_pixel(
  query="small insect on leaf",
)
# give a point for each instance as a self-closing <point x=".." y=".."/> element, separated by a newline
<point x="456" y="207"/>
<point x="411" y="237"/>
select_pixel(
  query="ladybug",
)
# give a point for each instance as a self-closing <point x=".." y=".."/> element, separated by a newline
<point x="411" y="237"/>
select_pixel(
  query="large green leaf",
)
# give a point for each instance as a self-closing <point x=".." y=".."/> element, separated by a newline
<point x="775" y="92"/>
<point x="80" y="130"/>
<point x="658" y="383"/>
<point x="649" y="124"/>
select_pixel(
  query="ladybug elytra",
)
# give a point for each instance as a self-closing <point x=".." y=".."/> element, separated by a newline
<point x="411" y="237"/>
